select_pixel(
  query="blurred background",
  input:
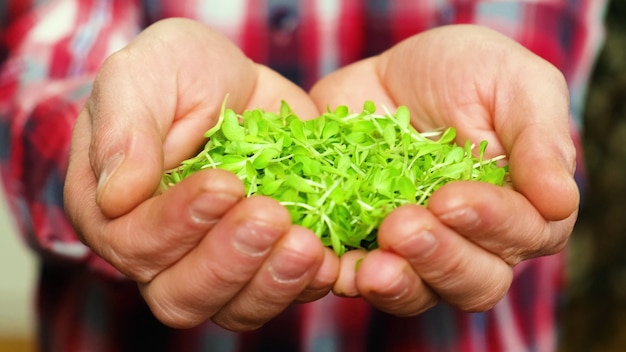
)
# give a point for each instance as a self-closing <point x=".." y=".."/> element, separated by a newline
<point x="595" y="309"/>
<point x="594" y="314"/>
<point x="17" y="278"/>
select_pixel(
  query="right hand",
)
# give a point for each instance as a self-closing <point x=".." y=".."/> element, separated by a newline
<point x="201" y="249"/>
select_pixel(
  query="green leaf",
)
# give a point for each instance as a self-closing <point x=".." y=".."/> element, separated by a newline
<point x="343" y="163"/>
<point x="366" y="126"/>
<point x="262" y="159"/>
<point x="315" y="126"/>
<point x="495" y="175"/>
<point x="331" y="129"/>
<point x="403" y="117"/>
<point x="389" y="134"/>
<point x="270" y="187"/>
<point x="341" y="173"/>
<point x="341" y="111"/>
<point x="447" y="136"/>
<point x="453" y="171"/>
<point x="220" y="120"/>
<point x="299" y="184"/>
<point x="250" y="171"/>
<point x="276" y="169"/>
<point x="481" y="150"/>
<point x="252" y="126"/>
<point x="369" y="107"/>
<point x="285" y="109"/>
<point x="406" y="188"/>
<point x="311" y="167"/>
<point x="242" y="148"/>
<point x="231" y="128"/>
<point x="454" y="155"/>
<point x="297" y="130"/>
<point x="356" y="138"/>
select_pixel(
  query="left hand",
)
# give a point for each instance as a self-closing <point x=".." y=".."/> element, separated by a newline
<point x="462" y="247"/>
<point x="199" y="250"/>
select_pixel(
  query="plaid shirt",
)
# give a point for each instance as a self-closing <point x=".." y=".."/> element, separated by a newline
<point x="51" y="51"/>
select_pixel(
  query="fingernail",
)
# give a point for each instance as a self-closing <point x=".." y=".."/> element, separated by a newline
<point x="466" y="218"/>
<point x="110" y="166"/>
<point x="255" y="238"/>
<point x="420" y="245"/>
<point x="398" y="288"/>
<point x="208" y="207"/>
<point x="296" y="263"/>
<point x="424" y="243"/>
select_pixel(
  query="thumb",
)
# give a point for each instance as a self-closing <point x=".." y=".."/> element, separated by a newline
<point x="156" y="93"/>
<point x="127" y="165"/>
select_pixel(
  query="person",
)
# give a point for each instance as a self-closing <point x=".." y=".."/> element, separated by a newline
<point x="98" y="97"/>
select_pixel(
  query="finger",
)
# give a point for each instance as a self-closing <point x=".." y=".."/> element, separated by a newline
<point x="500" y="220"/>
<point x="324" y="279"/>
<point x="460" y="272"/>
<point x="542" y="169"/>
<point x="532" y="118"/>
<point x="80" y="184"/>
<point x="289" y="269"/>
<point x="352" y="86"/>
<point x="217" y="268"/>
<point x="164" y="228"/>
<point x="272" y="89"/>
<point x="388" y="282"/>
<point x="535" y="107"/>
<point x="345" y="285"/>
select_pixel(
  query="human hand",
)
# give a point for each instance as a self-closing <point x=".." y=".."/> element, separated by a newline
<point x="463" y="246"/>
<point x="200" y="250"/>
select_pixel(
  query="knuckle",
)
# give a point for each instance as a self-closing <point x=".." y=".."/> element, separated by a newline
<point x="539" y="239"/>
<point x="177" y="319"/>
<point x="172" y="314"/>
<point x="472" y="286"/>
<point x="543" y="242"/>
<point x="129" y="259"/>
<point x="486" y="297"/>
<point x="131" y="268"/>
<point x="238" y="316"/>
<point x="402" y="309"/>
<point x="223" y="277"/>
<point x="556" y="244"/>
<point x="237" y="324"/>
<point x="312" y="294"/>
<point x="445" y="275"/>
<point x="479" y="306"/>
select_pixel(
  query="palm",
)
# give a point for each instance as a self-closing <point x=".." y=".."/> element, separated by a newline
<point x="489" y="88"/>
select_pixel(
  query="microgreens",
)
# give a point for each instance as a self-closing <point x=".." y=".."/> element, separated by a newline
<point x="339" y="174"/>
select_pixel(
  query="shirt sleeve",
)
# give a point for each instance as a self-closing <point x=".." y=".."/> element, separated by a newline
<point x="51" y="54"/>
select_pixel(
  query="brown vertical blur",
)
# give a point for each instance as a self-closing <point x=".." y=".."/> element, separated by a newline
<point x="594" y="316"/>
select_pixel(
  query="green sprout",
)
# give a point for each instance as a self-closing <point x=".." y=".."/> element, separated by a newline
<point x="339" y="174"/>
